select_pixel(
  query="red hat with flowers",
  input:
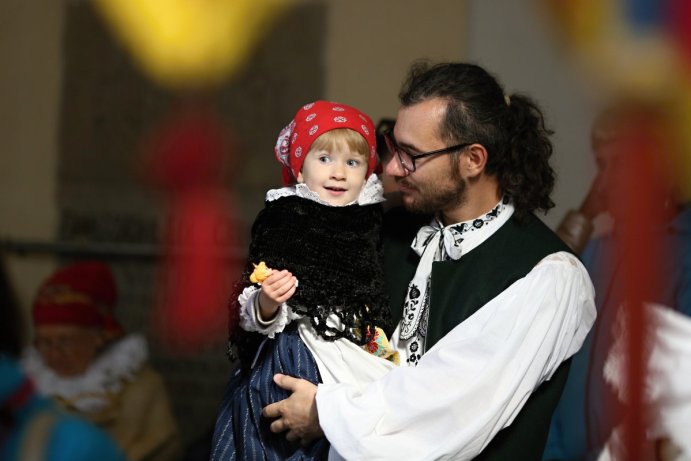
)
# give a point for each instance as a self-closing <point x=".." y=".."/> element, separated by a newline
<point x="81" y="294"/>
<point x="313" y="120"/>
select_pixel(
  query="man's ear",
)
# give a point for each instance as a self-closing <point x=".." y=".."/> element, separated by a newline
<point x="474" y="160"/>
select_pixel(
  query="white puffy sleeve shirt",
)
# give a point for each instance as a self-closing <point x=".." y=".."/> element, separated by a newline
<point x="474" y="381"/>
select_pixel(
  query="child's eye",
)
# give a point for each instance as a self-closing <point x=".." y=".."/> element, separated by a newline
<point x="324" y="158"/>
<point x="353" y="163"/>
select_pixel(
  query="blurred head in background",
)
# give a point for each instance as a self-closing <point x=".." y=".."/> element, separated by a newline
<point x="626" y="133"/>
<point x="73" y="316"/>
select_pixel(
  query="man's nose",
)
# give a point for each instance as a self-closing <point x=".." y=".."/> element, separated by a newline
<point x="393" y="167"/>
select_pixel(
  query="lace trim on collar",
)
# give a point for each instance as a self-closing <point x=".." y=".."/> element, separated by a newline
<point x="371" y="193"/>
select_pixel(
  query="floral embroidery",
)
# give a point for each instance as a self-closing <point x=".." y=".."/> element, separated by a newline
<point x="414" y="292"/>
<point x="414" y="356"/>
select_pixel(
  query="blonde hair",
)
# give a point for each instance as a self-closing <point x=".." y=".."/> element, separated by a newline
<point x="351" y="138"/>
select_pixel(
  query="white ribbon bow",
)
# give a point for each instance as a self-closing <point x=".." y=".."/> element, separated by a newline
<point x="446" y="240"/>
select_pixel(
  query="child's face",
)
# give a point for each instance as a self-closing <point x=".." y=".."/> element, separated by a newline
<point x="336" y="175"/>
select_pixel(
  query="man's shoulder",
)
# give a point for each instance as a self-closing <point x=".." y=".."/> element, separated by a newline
<point x="529" y="231"/>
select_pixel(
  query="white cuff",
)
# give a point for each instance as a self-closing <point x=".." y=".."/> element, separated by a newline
<point x="250" y="319"/>
<point x="258" y="313"/>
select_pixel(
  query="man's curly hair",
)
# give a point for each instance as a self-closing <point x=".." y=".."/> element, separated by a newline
<point x="511" y="128"/>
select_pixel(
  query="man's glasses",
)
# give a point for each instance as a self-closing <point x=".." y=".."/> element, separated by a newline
<point x="407" y="158"/>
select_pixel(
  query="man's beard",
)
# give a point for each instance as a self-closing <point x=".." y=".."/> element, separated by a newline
<point x="435" y="197"/>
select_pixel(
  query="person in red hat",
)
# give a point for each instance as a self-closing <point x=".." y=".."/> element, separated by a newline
<point x="82" y="359"/>
<point x="32" y="426"/>
<point x="321" y="311"/>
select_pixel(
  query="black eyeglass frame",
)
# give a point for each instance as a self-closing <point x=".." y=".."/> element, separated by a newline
<point x="393" y="146"/>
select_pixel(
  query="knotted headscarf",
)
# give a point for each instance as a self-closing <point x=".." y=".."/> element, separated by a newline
<point x="310" y="122"/>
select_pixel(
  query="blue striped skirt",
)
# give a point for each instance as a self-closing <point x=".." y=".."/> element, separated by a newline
<point x="241" y="433"/>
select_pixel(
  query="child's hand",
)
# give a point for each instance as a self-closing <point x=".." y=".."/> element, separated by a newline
<point x="278" y="288"/>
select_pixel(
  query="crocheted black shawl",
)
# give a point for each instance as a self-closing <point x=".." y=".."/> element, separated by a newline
<point x="336" y="255"/>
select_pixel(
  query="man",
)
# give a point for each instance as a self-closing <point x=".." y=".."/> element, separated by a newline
<point x="490" y="302"/>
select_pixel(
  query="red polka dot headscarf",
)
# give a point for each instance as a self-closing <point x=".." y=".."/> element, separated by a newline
<point x="311" y="121"/>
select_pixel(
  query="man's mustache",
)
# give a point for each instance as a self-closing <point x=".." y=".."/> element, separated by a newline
<point x="405" y="183"/>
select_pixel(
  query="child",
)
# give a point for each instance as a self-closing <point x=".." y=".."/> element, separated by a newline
<point x="321" y="312"/>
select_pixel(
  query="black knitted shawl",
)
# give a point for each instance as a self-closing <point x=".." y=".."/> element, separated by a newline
<point x="336" y="255"/>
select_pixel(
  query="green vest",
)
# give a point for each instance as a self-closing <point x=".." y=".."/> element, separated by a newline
<point x="460" y="288"/>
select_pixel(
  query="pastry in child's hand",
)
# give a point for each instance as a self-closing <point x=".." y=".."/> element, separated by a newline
<point x="260" y="273"/>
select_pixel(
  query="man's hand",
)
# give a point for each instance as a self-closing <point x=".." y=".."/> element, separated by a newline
<point x="298" y="413"/>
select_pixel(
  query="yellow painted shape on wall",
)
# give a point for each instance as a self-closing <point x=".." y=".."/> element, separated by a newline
<point x="190" y="43"/>
<point x="582" y="22"/>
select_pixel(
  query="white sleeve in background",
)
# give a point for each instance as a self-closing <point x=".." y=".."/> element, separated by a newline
<point x="668" y="378"/>
<point x="248" y="314"/>
<point x="474" y="381"/>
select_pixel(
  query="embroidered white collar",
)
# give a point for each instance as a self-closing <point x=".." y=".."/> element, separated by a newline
<point x="118" y="363"/>
<point x="475" y="231"/>
<point x="433" y="243"/>
<point x="371" y="193"/>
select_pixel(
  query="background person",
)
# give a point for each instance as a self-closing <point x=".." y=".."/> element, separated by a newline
<point x="32" y="427"/>
<point x="82" y="359"/>
<point x="587" y="411"/>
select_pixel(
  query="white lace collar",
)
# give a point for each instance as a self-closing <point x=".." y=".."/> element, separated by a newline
<point x="371" y="193"/>
<point x="115" y="365"/>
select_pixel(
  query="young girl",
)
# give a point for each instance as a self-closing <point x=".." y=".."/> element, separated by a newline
<point x="321" y="312"/>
